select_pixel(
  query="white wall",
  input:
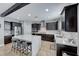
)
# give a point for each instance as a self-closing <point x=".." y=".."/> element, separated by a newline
<point x="27" y="27"/>
<point x="25" y="24"/>
<point x="78" y="27"/>
<point x="1" y="32"/>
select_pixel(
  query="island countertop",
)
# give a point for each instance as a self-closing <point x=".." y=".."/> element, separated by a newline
<point x="23" y="37"/>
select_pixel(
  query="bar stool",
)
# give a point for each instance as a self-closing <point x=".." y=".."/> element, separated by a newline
<point x="18" y="46"/>
<point x="26" y="47"/>
<point x="29" y="47"/>
<point x="23" y="47"/>
<point x="14" y="45"/>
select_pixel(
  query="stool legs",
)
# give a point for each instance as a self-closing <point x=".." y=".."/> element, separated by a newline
<point x="21" y="47"/>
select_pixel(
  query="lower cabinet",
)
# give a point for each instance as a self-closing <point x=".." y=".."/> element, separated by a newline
<point x="7" y="39"/>
<point x="46" y="37"/>
<point x="69" y="50"/>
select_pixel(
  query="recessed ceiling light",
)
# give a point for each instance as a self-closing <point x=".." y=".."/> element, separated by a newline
<point x="29" y="14"/>
<point x="46" y="10"/>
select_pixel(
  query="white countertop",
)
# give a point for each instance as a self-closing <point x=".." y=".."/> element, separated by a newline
<point x="47" y="32"/>
<point x="64" y="41"/>
<point x="58" y="39"/>
<point x="25" y="37"/>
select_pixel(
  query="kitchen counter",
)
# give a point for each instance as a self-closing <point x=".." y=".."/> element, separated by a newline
<point x="58" y="40"/>
<point x="45" y="36"/>
<point x="61" y="41"/>
<point x="64" y="41"/>
<point x="35" y="40"/>
<point x="65" y="46"/>
<point x="23" y="37"/>
<point x="46" y="32"/>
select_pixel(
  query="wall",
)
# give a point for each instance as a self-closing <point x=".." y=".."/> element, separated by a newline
<point x="1" y="31"/>
<point x="25" y="24"/>
<point x="27" y="27"/>
<point x="8" y="32"/>
<point x="78" y="27"/>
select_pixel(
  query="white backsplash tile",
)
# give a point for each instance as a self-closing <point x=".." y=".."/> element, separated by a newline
<point x="71" y="35"/>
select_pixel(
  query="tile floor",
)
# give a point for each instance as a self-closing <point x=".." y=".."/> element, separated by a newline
<point x="7" y="51"/>
<point x="47" y="49"/>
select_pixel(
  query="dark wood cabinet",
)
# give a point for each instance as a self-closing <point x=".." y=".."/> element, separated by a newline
<point x="46" y="37"/>
<point x="71" y="18"/>
<point x="7" y="39"/>
<point x="70" y="50"/>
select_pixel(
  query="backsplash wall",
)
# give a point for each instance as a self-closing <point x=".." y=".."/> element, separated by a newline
<point x="70" y="35"/>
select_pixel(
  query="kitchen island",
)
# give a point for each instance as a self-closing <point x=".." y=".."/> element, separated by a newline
<point x="35" y="40"/>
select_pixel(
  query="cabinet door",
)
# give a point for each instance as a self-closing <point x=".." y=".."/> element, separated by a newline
<point x="71" y="18"/>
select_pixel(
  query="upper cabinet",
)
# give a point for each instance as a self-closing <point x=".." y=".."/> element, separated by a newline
<point x="70" y="23"/>
<point x="52" y="25"/>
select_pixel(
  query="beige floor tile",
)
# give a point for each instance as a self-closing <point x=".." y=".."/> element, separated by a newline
<point x="6" y="51"/>
<point x="47" y="49"/>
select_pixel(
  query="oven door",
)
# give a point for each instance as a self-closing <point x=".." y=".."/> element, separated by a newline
<point x="66" y="53"/>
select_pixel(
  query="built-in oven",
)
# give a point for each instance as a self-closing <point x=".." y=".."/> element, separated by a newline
<point x="67" y="53"/>
<point x="65" y="50"/>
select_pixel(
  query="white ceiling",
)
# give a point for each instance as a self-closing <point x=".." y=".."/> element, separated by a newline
<point x="38" y="9"/>
<point x="5" y="6"/>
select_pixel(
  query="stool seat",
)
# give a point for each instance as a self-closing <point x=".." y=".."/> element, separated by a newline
<point x="29" y="43"/>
